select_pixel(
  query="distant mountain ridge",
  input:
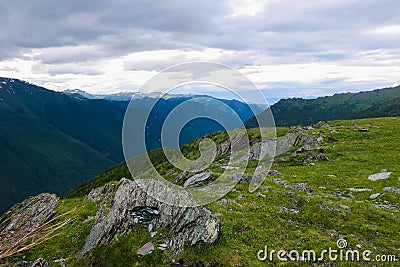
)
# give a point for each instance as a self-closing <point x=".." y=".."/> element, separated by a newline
<point x="52" y="141"/>
<point x="299" y="111"/>
<point x="121" y="96"/>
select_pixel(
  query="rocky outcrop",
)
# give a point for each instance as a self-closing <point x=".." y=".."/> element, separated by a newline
<point x="181" y="177"/>
<point x="298" y="187"/>
<point x="198" y="180"/>
<point x="284" y="144"/>
<point x="23" y="222"/>
<point x="186" y="224"/>
<point x="29" y="214"/>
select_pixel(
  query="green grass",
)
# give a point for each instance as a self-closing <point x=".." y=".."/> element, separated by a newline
<point x="251" y="223"/>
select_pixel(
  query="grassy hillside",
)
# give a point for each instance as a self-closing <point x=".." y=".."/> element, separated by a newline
<point x="36" y="154"/>
<point x="277" y="216"/>
<point x="298" y="111"/>
<point x="387" y="109"/>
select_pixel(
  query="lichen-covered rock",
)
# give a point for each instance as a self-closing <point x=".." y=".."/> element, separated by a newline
<point x="97" y="194"/>
<point x="284" y="144"/>
<point x="29" y="214"/>
<point x="189" y="223"/>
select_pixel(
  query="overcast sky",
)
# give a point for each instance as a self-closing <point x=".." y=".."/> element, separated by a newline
<point x="288" y="48"/>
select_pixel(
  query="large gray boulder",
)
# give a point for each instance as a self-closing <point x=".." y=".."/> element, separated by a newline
<point x="284" y="144"/>
<point x="190" y="224"/>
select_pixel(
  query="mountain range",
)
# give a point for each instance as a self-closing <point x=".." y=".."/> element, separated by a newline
<point x="299" y="111"/>
<point x="52" y="141"/>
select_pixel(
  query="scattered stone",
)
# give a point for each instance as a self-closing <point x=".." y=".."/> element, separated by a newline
<point x="146" y="249"/>
<point x="358" y="246"/>
<point x="290" y="210"/>
<point x="325" y="207"/>
<point x="308" y="158"/>
<point x="379" y="176"/>
<point x="279" y="181"/>
<point x="323" y="158"/>
<point x="364" y="130"/>
<point x="264" y="188"/>
<point x="241" y="196"/>
<point x="291" y="194"/>
<point x="40" y="263"/>
<point x="223" y="201"/>
<point x="274" y="173"/>
<point x="333" y="234"/>
<point x="198" y="180"/>
<point x="167" y="244"/>
<point x="330" y="175"/>
<point x="304" y="149"/>
<point x="373" y="196"/>
<point x="342" y="206"/>
<point x="322" y="187"/>
<point x="61" y="261"/>
<point x="360" y="189"/>
<point x="260" y="195"/>
<point x="299" y="187"/>
<point x="392" y="189"/>
<point x="387" y="207"/>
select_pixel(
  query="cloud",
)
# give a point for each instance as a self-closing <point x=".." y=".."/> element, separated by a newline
<point x="127" y="41"/>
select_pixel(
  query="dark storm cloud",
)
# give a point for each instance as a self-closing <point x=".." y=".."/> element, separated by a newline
<point x="117" y="25"/>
